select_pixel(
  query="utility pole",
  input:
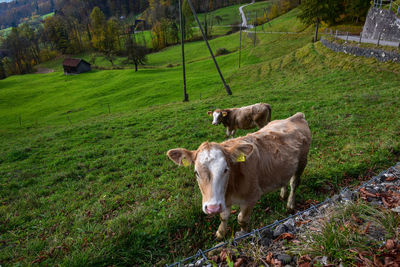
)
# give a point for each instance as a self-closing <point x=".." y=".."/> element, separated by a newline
<point x="255" y="29"/>
<point x="228" y="90"/>
<point x="240" y="43"/>
<point x="186" y="96"/>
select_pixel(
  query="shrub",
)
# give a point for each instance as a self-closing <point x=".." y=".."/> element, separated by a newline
<point x="222" y="51"/>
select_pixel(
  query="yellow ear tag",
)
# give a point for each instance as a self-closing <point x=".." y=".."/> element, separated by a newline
<point x="241" y="158"/>
<point x="185" y="162"/>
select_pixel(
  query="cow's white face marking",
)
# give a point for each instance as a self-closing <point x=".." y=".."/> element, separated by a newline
<point x="216" y="117"/>
<point x="213" y="190"/>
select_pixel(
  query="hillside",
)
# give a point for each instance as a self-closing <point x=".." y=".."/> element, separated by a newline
<point x="82" y="186"/>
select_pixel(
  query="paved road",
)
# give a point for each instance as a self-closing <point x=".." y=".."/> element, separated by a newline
<point x="244" y="19"/>
<point x="369" y="41"/>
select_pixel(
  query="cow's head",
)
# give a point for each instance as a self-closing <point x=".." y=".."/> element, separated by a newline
<point x="212" y="167"/>
<point x="217" y="115"/>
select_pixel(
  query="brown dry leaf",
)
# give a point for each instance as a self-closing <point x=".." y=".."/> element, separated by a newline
<point x="287" y="236"/>
<point x="388" y="262"/>
<point x="233" y="211"/>
<point x="357" y="220"/>
<point x="298" y="223"/>
<point x="238" y="262"/>
<point x="389" y="244"/>
<point x="390" y="178"/>
<point x="366" y="193"/>
<point x="267" y="209"/>
<point x="268" y="259"/>
<point x="366" y="228"/>
<point x="313" y="229"/>
<point x="223" y="255"/>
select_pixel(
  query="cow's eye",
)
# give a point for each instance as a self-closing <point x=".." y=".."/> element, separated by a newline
<point x="226" y="170"/>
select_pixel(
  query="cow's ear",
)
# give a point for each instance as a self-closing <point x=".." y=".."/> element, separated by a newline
<point x="209" y="112"/>
<point x="224" y="113"/>
<point x="181" y="156"/>
<point x="240" y="152"/>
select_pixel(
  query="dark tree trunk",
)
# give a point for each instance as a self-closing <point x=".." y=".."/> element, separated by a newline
<point x="316" y="31"/>
<point x="136" y="67"/>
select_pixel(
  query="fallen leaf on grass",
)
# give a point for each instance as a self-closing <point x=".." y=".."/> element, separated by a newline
<point x="366" y="193"/>
<point x="366" y="228"/>
<point x="298" y="223"/>
<point x="390" y="178"/>
<point x="304" y="261"/>
<point x="287" y="236"/>
<point x="268" y="259"/>
<point x="238" y="262"/>
<point x="389" y="244"/>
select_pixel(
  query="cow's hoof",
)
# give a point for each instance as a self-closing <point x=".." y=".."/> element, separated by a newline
<point x="290" y="210"/>
<point x="220" y="235"/>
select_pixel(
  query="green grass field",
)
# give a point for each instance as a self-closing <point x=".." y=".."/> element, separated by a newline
<point x="80" y="186"/>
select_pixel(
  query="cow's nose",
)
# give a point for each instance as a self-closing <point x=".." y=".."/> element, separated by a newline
<point x="213" y="209"/>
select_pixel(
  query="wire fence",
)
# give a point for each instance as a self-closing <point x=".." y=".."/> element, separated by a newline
<point x="354" y="36"/>
<point x="257" y="233"/>
<point x="389" y="4"/>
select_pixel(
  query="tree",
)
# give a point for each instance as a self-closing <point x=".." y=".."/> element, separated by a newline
<point x="315" y="11"/>
<point x="136" y="54"/>
<point x="98" y="24"/>
<point x="109" y="44"/>
<point x="2" y="70"/>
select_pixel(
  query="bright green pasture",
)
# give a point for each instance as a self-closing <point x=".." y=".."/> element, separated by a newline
<point x="82" y="187"/>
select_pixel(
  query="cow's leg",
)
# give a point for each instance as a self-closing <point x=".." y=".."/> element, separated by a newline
<point x="284" y="192"/>
<point x="294" y="182"/>
<point x="224" y="223"/>
<point x="228" y="132"/>
<point x="244" y="216"/>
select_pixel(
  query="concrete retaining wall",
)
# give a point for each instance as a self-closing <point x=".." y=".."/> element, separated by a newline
<point x="379" y="54"/>
<point x="383" y="22"/>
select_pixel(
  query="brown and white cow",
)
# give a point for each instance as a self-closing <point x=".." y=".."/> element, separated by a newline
<point x="242" y="118"/>
<point x="239" y="171"/>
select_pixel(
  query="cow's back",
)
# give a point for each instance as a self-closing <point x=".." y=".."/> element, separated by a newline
<point x="279" y="148"/>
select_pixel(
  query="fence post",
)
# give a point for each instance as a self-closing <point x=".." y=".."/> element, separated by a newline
<point x="336" y="34"/>
<point x="227" y="89"/>
<point x="360" y="37"/>
<point x="185" y="95"/>
<point x="240" y="43"/>
<point x="255" y="29"/>
<point x="379" y="38"/>
<point x="347" y="37"/>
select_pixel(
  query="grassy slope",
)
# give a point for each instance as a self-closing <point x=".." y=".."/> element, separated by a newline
<point x="102" y="192"/>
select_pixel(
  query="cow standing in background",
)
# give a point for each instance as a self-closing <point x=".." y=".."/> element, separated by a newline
<point x="239" y="171"/>
<point x="242" y="118"/>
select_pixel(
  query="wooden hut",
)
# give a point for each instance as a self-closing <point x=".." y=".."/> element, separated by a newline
<point x="75" y="66"/>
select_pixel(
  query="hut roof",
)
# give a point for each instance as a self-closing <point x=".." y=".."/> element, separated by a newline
<point x="73" y="62"/>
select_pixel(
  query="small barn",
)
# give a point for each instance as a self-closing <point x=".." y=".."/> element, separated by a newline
<point x="76" y="66"/>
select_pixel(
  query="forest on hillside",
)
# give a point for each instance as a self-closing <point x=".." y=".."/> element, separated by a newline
<point x="108" y="27"/>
